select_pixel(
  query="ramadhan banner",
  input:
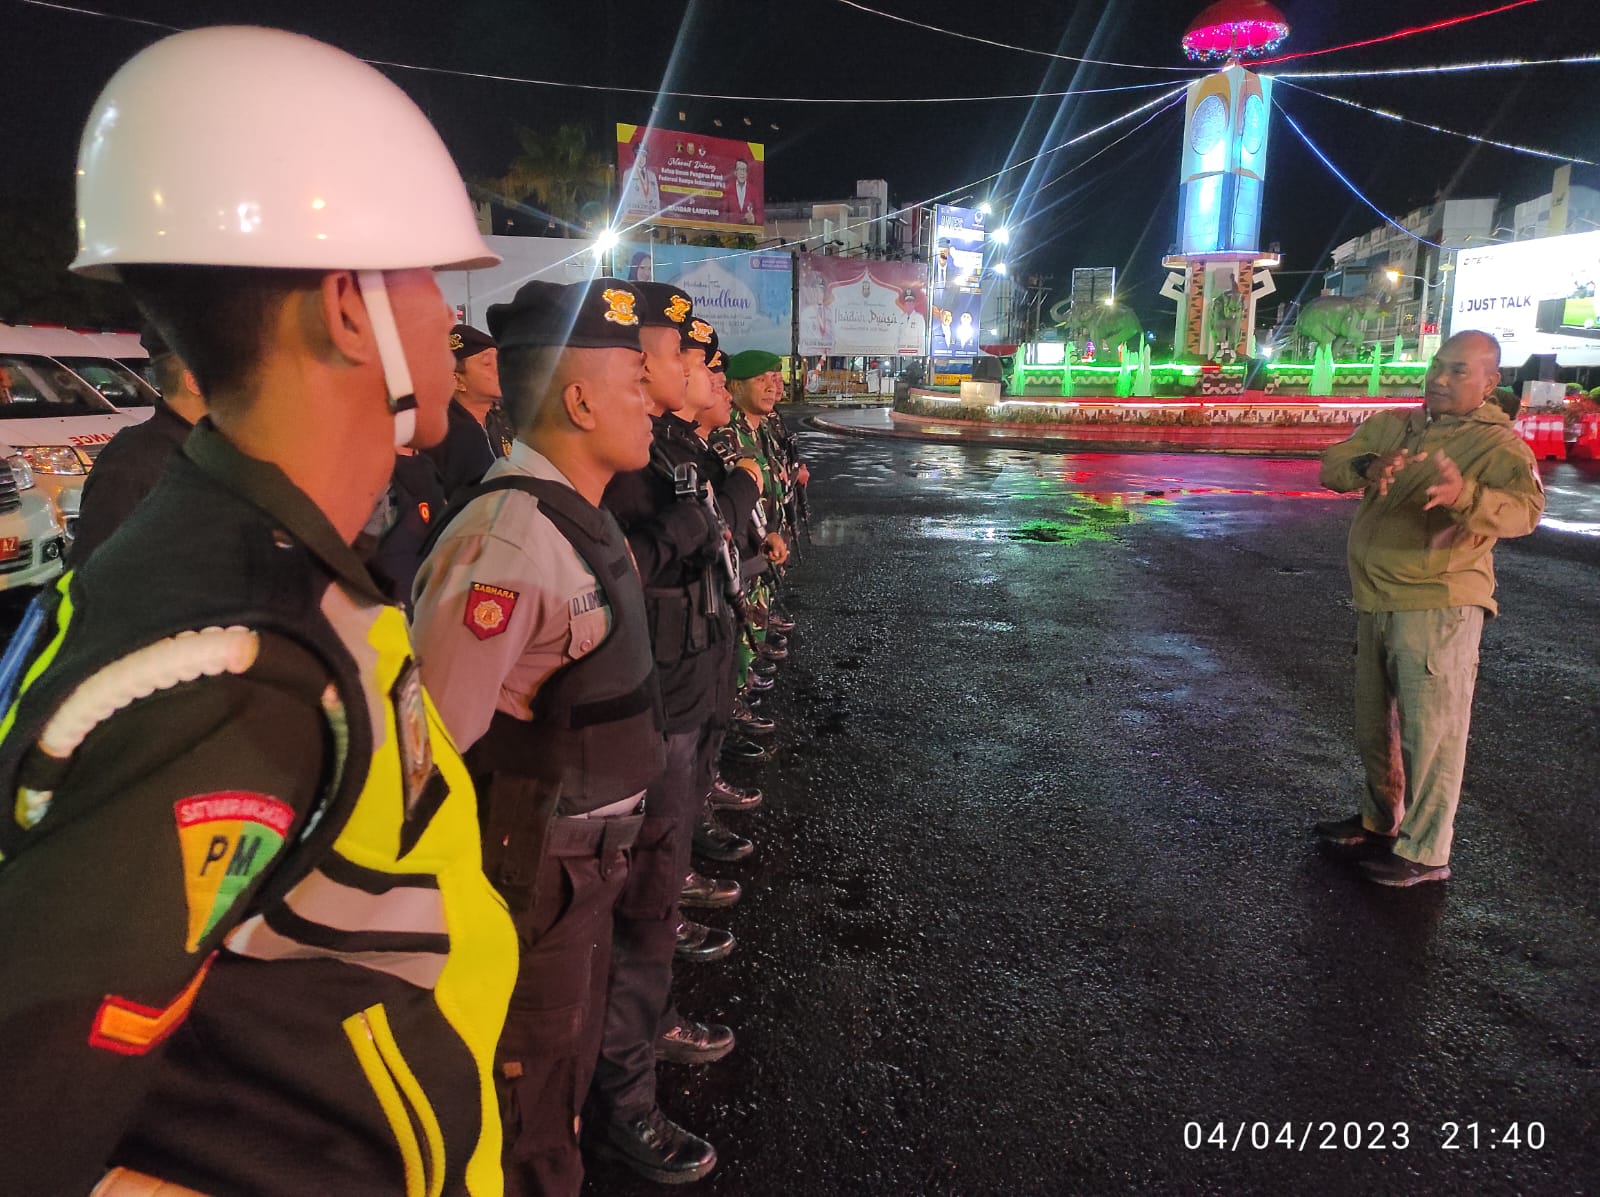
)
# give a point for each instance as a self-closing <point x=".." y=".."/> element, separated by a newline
<point x="852" y="307"/>
<point x="746" y="296"/>
<point x="676" y="178"/>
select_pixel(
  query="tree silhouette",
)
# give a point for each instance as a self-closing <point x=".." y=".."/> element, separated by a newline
<point x="36" y="243"/>
<point x="559" y="170"/>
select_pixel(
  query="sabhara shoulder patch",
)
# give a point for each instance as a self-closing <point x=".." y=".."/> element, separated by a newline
<point x="227" y="839"/>
<point x="488" y="610"/>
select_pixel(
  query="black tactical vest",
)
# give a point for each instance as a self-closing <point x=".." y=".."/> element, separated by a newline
<point x="595" y="737"/>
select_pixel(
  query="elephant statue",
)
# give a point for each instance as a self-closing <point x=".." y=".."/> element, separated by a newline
<point x="1227" y="324"/>
<point x="1336" y="320"/>
<point x="1106" y="326"/>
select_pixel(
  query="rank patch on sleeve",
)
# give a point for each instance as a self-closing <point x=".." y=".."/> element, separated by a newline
<point x="227" y="839"/>
<point x="131" y="1029"/>
<point x="488" y="611"/>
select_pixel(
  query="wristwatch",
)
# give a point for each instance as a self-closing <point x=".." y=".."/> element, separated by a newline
<point x="1363" y="463"/>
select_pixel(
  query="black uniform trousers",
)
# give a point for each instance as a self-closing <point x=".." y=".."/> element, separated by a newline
<point x="547" y="1051"/>
<point x="644" y="934"/>
<point x="639" y="1005"/>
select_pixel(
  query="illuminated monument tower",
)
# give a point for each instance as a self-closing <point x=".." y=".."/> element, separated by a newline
<point x="1222" y="175"/>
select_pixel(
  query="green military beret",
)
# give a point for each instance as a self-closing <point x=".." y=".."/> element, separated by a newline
<point x="751" y="363"/>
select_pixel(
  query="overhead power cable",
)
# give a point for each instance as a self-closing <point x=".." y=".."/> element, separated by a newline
<point x="1406" y="120"/>
<point x="1403" y="33"/>
<point x="984" y="41"/>
<point x="1449" y="68"/>
<point x="653" y="92"/>
<point x="1345" y="179"/>
<point x="700" y="95"/>
<point x="109" y="16"/>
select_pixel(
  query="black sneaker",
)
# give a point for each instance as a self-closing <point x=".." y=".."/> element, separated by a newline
<point x="708" y="892"/>
<point x="725" y="795"/>
<point x="690" y="1042"/>
<point x="715" y="842"/>
<point x="700" y="944"/>
<point x="737" y="748"/>
<point x="657" y="1148"/>
<point x="1397" y="870"/>
<point x="747" y="721"/>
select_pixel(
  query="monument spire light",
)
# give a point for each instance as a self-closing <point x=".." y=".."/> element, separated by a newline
<point x="1235" y="29"/>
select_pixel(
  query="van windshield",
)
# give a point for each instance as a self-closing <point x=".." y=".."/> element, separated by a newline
<point x="112" y="379"/>
<point x="32" y="386"/>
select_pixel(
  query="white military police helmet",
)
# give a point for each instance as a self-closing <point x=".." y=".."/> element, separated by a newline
<point x="242" y="146"/>
<point x="239" y="146"/>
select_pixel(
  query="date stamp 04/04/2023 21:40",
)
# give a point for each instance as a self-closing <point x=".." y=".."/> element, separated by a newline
<point x="1363" y="1136"/>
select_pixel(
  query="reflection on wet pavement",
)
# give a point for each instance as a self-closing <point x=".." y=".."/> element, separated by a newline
<point x="1053" y="498"/>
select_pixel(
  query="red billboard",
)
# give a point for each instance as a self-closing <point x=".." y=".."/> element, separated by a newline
<point x="676" y="178"/>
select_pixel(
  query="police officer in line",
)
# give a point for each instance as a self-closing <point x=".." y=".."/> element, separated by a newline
<point x="129" y="467"/>
<point x="678" y="538"/>
<point x="738" y="513"/>
<point x="392" y="541"/>
<point x="668" y="366"/>
<point x="240" y="890"/>
<point x="530" y="620"/>
<point x="479" y="431"/>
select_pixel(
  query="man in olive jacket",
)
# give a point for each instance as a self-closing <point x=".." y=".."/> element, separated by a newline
<point x="1441" y="484"/>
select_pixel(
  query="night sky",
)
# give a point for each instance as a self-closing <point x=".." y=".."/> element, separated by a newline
<point x="1118" y="210"/>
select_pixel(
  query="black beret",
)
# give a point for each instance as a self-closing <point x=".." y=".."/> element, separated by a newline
<point x="662" y="305"/>
<point x="712" y="348"/>
<point x="466" y="341"/>
<point x="599" y="314"/>
<point x="697" y="334"/>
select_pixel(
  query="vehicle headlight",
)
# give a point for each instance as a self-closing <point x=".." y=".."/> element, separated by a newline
<point x="20" y="470"/>
<point x="54" y="459"/>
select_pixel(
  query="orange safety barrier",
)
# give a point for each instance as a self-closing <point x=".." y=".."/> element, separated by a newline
<point x="1588" y="442"/>
<point x="1555" y="438"/>
<point x="1524" y="427"/>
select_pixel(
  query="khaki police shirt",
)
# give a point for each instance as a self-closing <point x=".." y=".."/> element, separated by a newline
<point x="501" y="603"/>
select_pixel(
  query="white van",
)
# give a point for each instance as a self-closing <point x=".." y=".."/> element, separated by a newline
<point x="112" y="363"/>
<point x="33" y="543"/>
<point x="54" y="416"/>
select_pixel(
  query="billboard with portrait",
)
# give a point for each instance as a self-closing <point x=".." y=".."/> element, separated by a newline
<point x="853" y="307"/>
<point x="1535" y="297"/>
<point x="670" y="177"/>
<point x="955" y="280"/>
<point x="746" y="295"/>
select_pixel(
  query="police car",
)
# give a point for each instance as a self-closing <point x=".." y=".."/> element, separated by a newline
<point x="61" y="402"/>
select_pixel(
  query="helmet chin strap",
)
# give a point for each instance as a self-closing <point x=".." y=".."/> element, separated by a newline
<point x="396" y="374"/>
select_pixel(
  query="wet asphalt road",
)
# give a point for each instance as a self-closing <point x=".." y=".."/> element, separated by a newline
<point x="1035" y="888"/>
